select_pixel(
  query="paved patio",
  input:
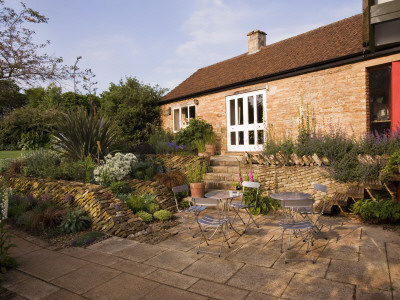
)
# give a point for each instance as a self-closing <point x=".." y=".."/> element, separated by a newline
<point x="354" y="261"/>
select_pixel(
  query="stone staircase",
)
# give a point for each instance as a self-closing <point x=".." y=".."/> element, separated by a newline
<point x="223" y="172"/>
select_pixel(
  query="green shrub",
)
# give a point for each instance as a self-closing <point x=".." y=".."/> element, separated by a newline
<point x="145" y="216"/>
<point x="145" y="202"/>
<point x="74" y="221"/>
<point x="265" y="204"/>
<point x="162" y="215"/>
<point x="33" y="140"/>
<point x="87" y="239"/>
<point x="197" y="130"/>
<point x="197" y="171"/>
<point x="381" y="211"/>
<point x="123" y="197"/>
<point x="152" y="207"/>
<point x="79" y="135"/>
<point x="5" y="164"/>
<point x="42" y="163"/>
<point x="392" y="165"/>
<point x="160" y="140"/>
<point x="120" y="187"/>
<point x="145" y="170"/>
<point x="81" y="170"/>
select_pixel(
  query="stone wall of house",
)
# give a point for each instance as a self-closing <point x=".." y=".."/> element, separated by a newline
<point x="335" y="97"/>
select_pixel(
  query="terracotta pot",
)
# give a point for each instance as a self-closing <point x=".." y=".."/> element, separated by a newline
<point x="197" y="189"/>
<point x="206" y="155"/>
<point x="210" y="148"/>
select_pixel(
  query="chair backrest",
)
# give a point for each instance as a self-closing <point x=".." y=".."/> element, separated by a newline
<point x="323" y="189"/>
<point x="252" y="185"/>
<point x="180" y="189"/>
<point x="209" y="202"/>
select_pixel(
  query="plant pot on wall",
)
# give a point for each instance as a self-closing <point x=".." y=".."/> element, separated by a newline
<point x="210" y="148"/>
<point x="197" y="189"/>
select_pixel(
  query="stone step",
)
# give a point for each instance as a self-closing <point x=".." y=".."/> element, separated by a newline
<point x="225" y="161"/>
<point x="221" y="177"/>
<point x="225" y="169"/>
<point x="218" y="185"/>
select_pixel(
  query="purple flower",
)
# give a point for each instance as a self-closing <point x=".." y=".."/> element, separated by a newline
<point x="251" y="175"/>
<point x="117" y="206"/>
<point x="46" y="197"/>
<point x="69" y="198"/>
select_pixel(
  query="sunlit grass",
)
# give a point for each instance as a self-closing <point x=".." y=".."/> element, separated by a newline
<point x="10" y="154"/>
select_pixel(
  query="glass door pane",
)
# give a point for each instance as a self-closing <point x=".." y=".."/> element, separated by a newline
<point x="250" y="109"/>
<point x="260" y="109"/>
<point x="240" y="111"/>
<point x="232" y="111"/>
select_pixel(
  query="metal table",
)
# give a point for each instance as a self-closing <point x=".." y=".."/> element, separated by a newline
<point x="288" y="199"/>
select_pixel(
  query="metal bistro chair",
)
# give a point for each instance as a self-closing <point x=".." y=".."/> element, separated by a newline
<point x="237" y="206"/>
<point x="192" y="210"/>
<point x="299" y="228"/>
<point x="308" y="212"/>
<point x="219" y="222"/>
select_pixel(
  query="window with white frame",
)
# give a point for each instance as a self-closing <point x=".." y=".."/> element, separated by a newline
<point x="182" y="115"/>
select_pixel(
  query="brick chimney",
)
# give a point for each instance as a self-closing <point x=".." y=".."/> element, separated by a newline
<point x="256" y="39"/>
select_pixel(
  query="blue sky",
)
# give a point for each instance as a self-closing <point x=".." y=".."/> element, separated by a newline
<point x="164" y="41"/>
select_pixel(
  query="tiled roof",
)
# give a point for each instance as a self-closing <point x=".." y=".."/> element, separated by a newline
<point x="329" y="42"/>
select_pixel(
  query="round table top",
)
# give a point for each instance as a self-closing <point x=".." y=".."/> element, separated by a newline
<point x="222" y="194"/>
<point x="290" y="196"/>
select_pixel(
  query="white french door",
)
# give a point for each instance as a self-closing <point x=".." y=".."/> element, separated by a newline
<point x="245" y="121"/>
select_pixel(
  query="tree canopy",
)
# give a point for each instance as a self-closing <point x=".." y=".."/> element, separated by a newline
<point x="19" y="54"/>
<point x="133" y="106"/>
<point x="10" y="97"/>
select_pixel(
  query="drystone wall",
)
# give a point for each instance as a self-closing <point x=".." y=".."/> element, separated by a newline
<point x="108" y="213"/>
<point x="295" y="179"/>
<point x="179" y="163"/>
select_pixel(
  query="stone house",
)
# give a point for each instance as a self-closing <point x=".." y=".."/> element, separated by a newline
<point x="345" y="74"/>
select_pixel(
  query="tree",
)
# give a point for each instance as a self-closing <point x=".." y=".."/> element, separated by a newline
<point x="133" y="106"/>
<point x="45" y="98"/>
<point x="10" y="97"/>
<point x="19" y="55"/>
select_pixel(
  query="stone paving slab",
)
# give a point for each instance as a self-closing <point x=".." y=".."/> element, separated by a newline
<point x="255" y="256"/>
<point x="172" y="278"/>
<point x="124" y="286"/>
<point x="140" y="252"/>
<point x="22" y="247"/>
<point x="261" y="279"/>
<point x="63" y="295"/>
<point x="168" y="292"/>
<point x="33" y="288"/>
<point x="304" y="267"/>
<point x="101" y="258"/>
<point x="112" y="245"/>
<point x="173" y="260"/>
<point x="260" y="296"/>
<point x="307" y="287"/>
<point x="213" y="269"/>
<point x="48" y="265"/>
<point x="85" y="278"/>
<point x="372" y="294"/>
<point x="133" y="267"/>
<point x="359" y="273"/>
<point x="218" y="291"/>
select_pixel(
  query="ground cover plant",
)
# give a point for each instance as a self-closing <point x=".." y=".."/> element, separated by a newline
<point x="377" y="211"/>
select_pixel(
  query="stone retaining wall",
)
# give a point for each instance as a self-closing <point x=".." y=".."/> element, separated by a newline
<point x="179" y="163"/>
<point x="97" y="201"/>
<point x="292" y="178"/>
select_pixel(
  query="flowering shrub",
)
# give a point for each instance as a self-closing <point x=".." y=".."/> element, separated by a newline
<point x="114" y="168"/>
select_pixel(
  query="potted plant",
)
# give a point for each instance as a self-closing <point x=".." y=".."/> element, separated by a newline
<point x="195" y="176"/>
<point x="210" y="142"/>
<point x="201" y="149"/>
